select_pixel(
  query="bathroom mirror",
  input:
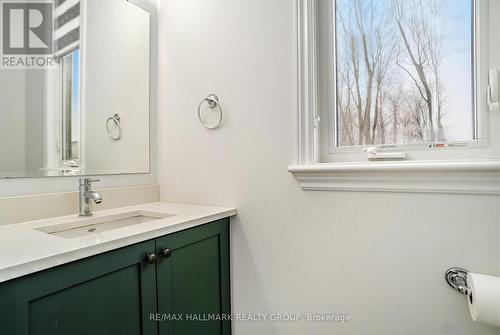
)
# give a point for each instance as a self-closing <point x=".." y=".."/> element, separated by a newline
<point x="74" y="88"/>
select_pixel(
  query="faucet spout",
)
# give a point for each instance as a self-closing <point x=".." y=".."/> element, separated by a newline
<point x="87" y="195"/>
<point x="96" y="196"/>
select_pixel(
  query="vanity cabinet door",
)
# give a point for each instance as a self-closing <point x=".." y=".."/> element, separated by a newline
<point x="113" y="293"/>
<point x="193" y="281"/>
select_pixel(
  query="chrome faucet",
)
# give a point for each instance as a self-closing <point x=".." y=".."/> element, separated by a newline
<point x="87" y="195"/>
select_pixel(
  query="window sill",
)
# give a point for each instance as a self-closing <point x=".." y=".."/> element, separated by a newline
<point x="455" y="177"/>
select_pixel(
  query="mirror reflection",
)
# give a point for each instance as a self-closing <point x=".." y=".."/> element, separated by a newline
<point x="74" y="97"/>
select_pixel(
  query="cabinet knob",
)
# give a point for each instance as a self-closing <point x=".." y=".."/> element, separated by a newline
<point x="151" y="258"/>
<point x="166" y="253"/>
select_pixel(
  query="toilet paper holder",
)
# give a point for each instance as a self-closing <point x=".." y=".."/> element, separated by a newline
<point x="457" y="278"/>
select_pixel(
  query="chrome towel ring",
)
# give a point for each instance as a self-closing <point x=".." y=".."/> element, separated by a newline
<point x="115" y="119"/>
<point x="213" y="102"/>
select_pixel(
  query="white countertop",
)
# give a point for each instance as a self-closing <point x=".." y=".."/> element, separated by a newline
<point x="25" y="250"/>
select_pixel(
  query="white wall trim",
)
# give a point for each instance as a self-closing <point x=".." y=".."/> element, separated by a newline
<point x="403" y="166"/>
<point x="306" y="80"/>
<point x="461" y="177"/>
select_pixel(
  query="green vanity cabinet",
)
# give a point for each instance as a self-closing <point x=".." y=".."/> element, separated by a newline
<point x="120" y="292"/>
<point x="107" y="294"/>
<point x="193" y="281"/>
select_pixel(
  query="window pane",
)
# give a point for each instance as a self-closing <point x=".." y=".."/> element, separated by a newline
<point x="404" y="71"/>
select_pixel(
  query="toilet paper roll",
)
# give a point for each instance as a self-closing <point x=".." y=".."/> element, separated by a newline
<point x="484" y="299"/>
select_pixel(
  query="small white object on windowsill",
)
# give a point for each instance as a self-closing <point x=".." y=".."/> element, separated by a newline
<point x="373" y="154"/>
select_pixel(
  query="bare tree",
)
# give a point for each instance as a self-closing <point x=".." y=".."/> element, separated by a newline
<point x="367" y="53"/>
<point x="396" y="103"/>
<point x="415" y="20"/>
<point x="385" y="54"/>
<point x="389" y="87"/>
<point x="436" y="55"/>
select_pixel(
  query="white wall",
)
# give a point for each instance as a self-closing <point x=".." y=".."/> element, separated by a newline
<point x="35" y="110"/>
<point x="14" y="187"/>
<point x="379" y="257"/>
<point x="12" y="120"/>
<point x="115" y="78"/>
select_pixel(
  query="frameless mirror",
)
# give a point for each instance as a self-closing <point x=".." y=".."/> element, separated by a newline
<point x="74" y="88"/>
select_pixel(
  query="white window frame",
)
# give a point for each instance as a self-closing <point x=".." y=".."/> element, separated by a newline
<point x="69" y="164"/>
<point x="473" y="169"/>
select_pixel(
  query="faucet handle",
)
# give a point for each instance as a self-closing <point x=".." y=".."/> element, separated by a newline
<point x="88" y="181"/>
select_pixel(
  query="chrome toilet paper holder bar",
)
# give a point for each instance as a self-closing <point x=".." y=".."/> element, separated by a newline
<point x="457" y="279"/>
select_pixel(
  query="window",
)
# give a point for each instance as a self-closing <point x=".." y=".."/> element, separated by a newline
<point x="400" y="75"/>
<point x="404" y="72"/>
<point x="70" y="67"/>
<point x="392" y="86"/>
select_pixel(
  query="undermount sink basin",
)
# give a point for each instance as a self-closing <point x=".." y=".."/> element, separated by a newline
<point x="94" y="225"/>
